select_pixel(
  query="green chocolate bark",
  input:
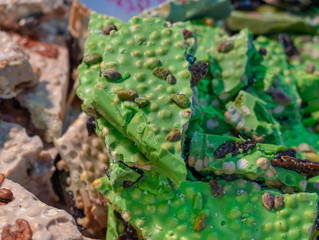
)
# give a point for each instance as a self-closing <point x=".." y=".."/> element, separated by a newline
<point x="235" y="64"/>
<point x="279" y="90"/>
<point x="266" y="22"/>
<point x="223" y="155"/>
<point x="249" y="116"/>
<point x="176" y="10"/>
<point x="93" y="52"/>
<point x="149" y="56"/>
<point x="215" y="210"/>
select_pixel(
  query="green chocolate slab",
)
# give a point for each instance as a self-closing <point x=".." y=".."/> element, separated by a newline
<point x="134" y="51"/>
<point x="255" y="164"/>
<point x="192" y="212"/>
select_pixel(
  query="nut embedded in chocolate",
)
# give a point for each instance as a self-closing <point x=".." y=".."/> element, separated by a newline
<point x="304" y="167"/>
<point x="90" y="126"/>
<point x="173" y="136"/>
<point x="225" y="148"/>
<point x="20" y="231"/>
<point x="216" y="188"/>
<point x="268" y="200"/>
<point x="187" y="34"/>
<point x="107" y="29"/>
<point x="2" y="177"/>
<point x="278" y="202"/>
<point x="5" y="195"/>
<point x="198" y="72"/>
<point x="288" y="152"/>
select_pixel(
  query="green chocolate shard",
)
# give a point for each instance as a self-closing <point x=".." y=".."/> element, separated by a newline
<point x="204" y="37"/>
<point x="219" y="155"/>
<point x="305" y="141"/>
<point x="94" y="46"/>
<point x="270" y="22"/>
<point x="135" y="50"/>
<point x="239" y="214"/>
<point x="113" y="225"/>
<point x="235" y="68"/>
<point x="248" y="115"/>
<point x="279" y="90"/>
<point x="176" y="10"/>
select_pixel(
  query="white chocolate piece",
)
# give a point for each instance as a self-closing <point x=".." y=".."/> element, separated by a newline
<point x="86" y="158"/>
<point x="47" y="100"/>
<point x="11" y="11"/>
<point x="46" y="222"/>
<point x="15" y="70"/>
<point x="23" y="160"/>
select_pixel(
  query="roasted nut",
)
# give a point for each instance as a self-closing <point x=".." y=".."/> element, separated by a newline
<point x="112" y="75"/>
<point x="198" y="72"/>
<point x="310" y="68"/>
<point x="20" y="231"/>
<point x="225" y="46"/>
<point x="200" y="222"/>
<point x="216" y="189"/>
<point x="5" y="195"/>
<point x="225" y="148"/>
<point x="181" y="100"/>
<point x="91" y="111"/>
<point x="164" y="74"/>
<point x="278" y="202"/>
<point x="173" y="136"/>
<point x="268" y="201"/>
<point x="281" y="97"/>
<point x="92" y="58"/>
<point x="91" y="126"/>
<point x="263" y="51"/>
<point x="107" y="29"/>
<point x="187" y="34"/>
<point x="141" y="102"/>
<point x="2" y="177"/>
<point x="127" y="95"/>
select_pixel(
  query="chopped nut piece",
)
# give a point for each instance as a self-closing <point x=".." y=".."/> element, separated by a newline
<point x="173" y="136"/>
<point x="187" y="34"/>
<point x="164" y="74"/>
<point x="107" y="29"/>
<point x="127" y="95"/>
<point x="310" y="68"/>
<point x="5" y="195"/>
<point x="20" y="231"/>
<point x="92" y="58"/>
<point x="278" y="202"/>
<point x="181" y="100"/>
<point x="225" y="46"/>
<point x="216" y="189"/>
<point x="2" y="177"/>
<point x="200" y="222"/>
<point x="268" y="201"/>
<point x="198" y="72"/>
<point x="112" y="75"/>
<point x="141" y="102"/>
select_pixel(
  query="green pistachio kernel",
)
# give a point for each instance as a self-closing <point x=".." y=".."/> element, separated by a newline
<point x="127" y="95"/>
<point x="164" y="74"/>
<point x="200" y="222"/>
<point x="173" y="136"/>
<point x="225" y="46"/>
<point x="92" y="58"/>
<point x="111" y="74"/>
<point x="91" y="111"/>
<point x="181" y="100"/>
<point x="141" y="102"/>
